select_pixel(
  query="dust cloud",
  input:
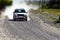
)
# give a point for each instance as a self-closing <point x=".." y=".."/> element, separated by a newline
<point x="10" y="9"/>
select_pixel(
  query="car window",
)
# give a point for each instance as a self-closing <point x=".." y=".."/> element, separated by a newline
<point x="19" y="11"/>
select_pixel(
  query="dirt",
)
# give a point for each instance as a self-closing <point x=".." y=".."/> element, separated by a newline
<point x="3" y="36"/>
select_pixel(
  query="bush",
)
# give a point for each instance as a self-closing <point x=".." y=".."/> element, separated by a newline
<point x="57" y="21"/>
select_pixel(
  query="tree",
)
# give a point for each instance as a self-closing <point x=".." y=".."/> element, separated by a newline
<point x="55" y="4"/>
<point x="34" y="2"/>
<point x="40" y="3"/>
<point x="4" y="3"/>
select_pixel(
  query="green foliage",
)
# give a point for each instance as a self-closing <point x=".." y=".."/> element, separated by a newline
<point x="54" y="4"/>
<point x="4" y="3"/>
<point x="57" y="21"/>
<point x="37" y="3"/>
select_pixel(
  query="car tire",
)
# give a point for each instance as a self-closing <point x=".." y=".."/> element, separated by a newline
<point x="26" y="19"/>
<point x="14" y="19"/>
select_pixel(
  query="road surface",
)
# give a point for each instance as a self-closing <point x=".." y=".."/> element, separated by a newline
<point x="30" y="30"/>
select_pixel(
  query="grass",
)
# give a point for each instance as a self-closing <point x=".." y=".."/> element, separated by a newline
<point x="49" y="11"/>
<point x="57" y="21"/>
<point x="54" y="11"/>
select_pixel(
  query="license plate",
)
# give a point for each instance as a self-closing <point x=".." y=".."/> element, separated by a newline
<point x="20" y="16"/>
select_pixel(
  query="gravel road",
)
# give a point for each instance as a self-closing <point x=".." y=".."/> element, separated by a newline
<point x="28" y="30"/>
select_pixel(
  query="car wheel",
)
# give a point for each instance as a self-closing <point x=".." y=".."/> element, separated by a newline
<point x="14" y="19"/>
<point x="26" y="19"/>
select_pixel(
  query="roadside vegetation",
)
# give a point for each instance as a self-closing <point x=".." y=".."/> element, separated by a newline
<point x="54" y="12"/>
<point x="4" y="3"/>
<point x="50" y="8"/>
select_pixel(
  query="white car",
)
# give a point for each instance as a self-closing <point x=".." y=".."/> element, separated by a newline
<point x="20" y="14"/>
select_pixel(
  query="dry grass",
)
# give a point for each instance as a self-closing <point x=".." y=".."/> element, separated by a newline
<point x="53" y="11"/>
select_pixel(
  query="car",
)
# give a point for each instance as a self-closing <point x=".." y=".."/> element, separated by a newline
<point x="20" y="14"/>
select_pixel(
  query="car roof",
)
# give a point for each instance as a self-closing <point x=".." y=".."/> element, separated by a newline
<point x="20" y="9"/>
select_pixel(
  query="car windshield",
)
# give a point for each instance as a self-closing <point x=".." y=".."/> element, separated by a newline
<point x="19" y="11"/>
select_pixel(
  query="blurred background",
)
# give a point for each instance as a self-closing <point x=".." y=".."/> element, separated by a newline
<point x="34" y="6"/>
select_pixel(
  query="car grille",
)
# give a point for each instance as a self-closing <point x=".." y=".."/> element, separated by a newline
<point x="20" y="15"/>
